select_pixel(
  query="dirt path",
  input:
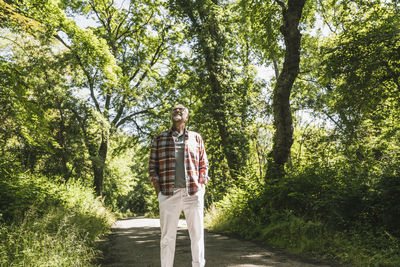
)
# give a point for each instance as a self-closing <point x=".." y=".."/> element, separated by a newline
<point x="135" y="242"/>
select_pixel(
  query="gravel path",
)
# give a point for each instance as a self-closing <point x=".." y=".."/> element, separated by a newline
<point x="135" y="242"/>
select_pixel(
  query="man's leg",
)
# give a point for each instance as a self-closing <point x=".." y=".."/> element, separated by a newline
<point x="170" y="209"/>
<point x="193" y="207"/>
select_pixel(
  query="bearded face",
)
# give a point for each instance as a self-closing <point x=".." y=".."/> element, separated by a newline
<point x="179" y="113"/>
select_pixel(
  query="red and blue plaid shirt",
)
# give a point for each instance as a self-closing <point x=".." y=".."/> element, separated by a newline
<point x="162" y="162"/>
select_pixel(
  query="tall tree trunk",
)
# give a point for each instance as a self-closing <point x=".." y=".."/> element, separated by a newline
<point x="98" y="154"/>
<point x="98" y="164"/>
<point x="212" y="44"/>
<point x="283" y="137"/>
<point x="216" y="102"/>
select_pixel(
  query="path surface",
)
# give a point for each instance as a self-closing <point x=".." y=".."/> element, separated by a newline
<point x="135" y="242"/>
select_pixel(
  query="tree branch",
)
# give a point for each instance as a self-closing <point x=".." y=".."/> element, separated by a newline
<point x="117" y="30"/>
<point x="120" y="111"/>
<point x="281" y="4"/>
<point x="97" y="14"/>
<point x="130" y="116"/>
<point x="153" y="61"/>
<point x="324" y="17"/>
<point x="86" y="72"/>
<point x="134" y="74"/>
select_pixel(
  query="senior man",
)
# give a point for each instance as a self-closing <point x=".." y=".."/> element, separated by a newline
<point x="179" y="172"/>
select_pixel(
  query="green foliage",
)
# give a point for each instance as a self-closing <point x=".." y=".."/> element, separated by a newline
<point x="330" y="207"/>
<point x="46" y="223"/>
<point x="117" y="62"/>
<point x="356" y="68"/>
<point x="126" y="189"/>
<point x="313" y="213"/>
<point x="305" y="237"/>
<point x="295" y="233"/>
<point x="23" y="191"/>
<point x="335" y="196"/>
<point x="386" y="203"/>
<point x="40" y="130"/>
<point x="55" y="238"/>
<point x="78" y="102"/>
<point x="240" y="205"/>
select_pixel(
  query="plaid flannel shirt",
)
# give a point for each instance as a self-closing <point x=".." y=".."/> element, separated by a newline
<point x="162" y="162"/>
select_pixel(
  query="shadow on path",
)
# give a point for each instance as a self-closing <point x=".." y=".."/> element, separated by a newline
<point x="135" y="242"/>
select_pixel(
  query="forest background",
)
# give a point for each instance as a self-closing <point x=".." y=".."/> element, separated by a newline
<point x="305" y="158"/>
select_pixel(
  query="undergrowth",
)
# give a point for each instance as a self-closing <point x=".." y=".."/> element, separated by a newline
<point x="48" y="223"/>
<point x="330" y="217"/>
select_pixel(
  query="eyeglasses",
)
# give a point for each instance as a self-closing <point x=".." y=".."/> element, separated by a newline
<point x="178" y="109"/>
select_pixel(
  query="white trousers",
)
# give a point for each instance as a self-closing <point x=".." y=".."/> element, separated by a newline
<point x="170" y="210"/>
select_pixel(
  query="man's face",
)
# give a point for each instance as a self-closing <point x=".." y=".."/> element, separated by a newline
<point x="179" y="113"/>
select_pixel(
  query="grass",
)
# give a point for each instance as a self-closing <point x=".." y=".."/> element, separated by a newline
<point x="299" y="236"/>
<point x="61" y="233"/>
<point x="56" y="239"/>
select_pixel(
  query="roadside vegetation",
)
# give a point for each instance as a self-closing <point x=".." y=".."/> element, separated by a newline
<point x="48" y="223"/>
<point x="347" y="226"/>
<point x="342" y="210"/>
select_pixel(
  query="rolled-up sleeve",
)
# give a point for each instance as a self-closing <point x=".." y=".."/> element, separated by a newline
<point x="203" y="164"/>
<point x="153" y="166"/>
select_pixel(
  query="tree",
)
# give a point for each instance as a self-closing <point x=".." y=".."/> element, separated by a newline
<point x="41" y="133"/>
<point x="359" y="66"/>
<point x="264" y="23"/>
<point x="224" y="86"/>
<point x="119" y="58"/>
<point x="283" y="137"/>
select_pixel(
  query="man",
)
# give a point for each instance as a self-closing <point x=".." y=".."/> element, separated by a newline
<point x="179" y="172"/>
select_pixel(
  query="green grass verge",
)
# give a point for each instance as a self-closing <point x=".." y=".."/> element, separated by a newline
<point x="299" y="236"/>
<point x="57" y="224"/>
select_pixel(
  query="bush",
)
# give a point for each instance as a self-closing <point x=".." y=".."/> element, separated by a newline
<point x="335" y="196"/>
<point x="342" y="213"/>
<point x="387" y="205"/>
<point x="55" y="239"/>
<point x="47" y="223"/>
<point x="22" y="191"/>
<point x="239" y="212"/>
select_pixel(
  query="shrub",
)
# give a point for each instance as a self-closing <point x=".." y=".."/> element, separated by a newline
<point x="47" y="223"/>
<point x="340" y="212"/>
<point x="55" y="239"/>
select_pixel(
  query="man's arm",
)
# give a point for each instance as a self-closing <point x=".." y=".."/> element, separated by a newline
<point x="153" y="166"/>
<point x="203" y="164"/>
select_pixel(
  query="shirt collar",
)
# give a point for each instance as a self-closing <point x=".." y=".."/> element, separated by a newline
<point x="171" y="131"/>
